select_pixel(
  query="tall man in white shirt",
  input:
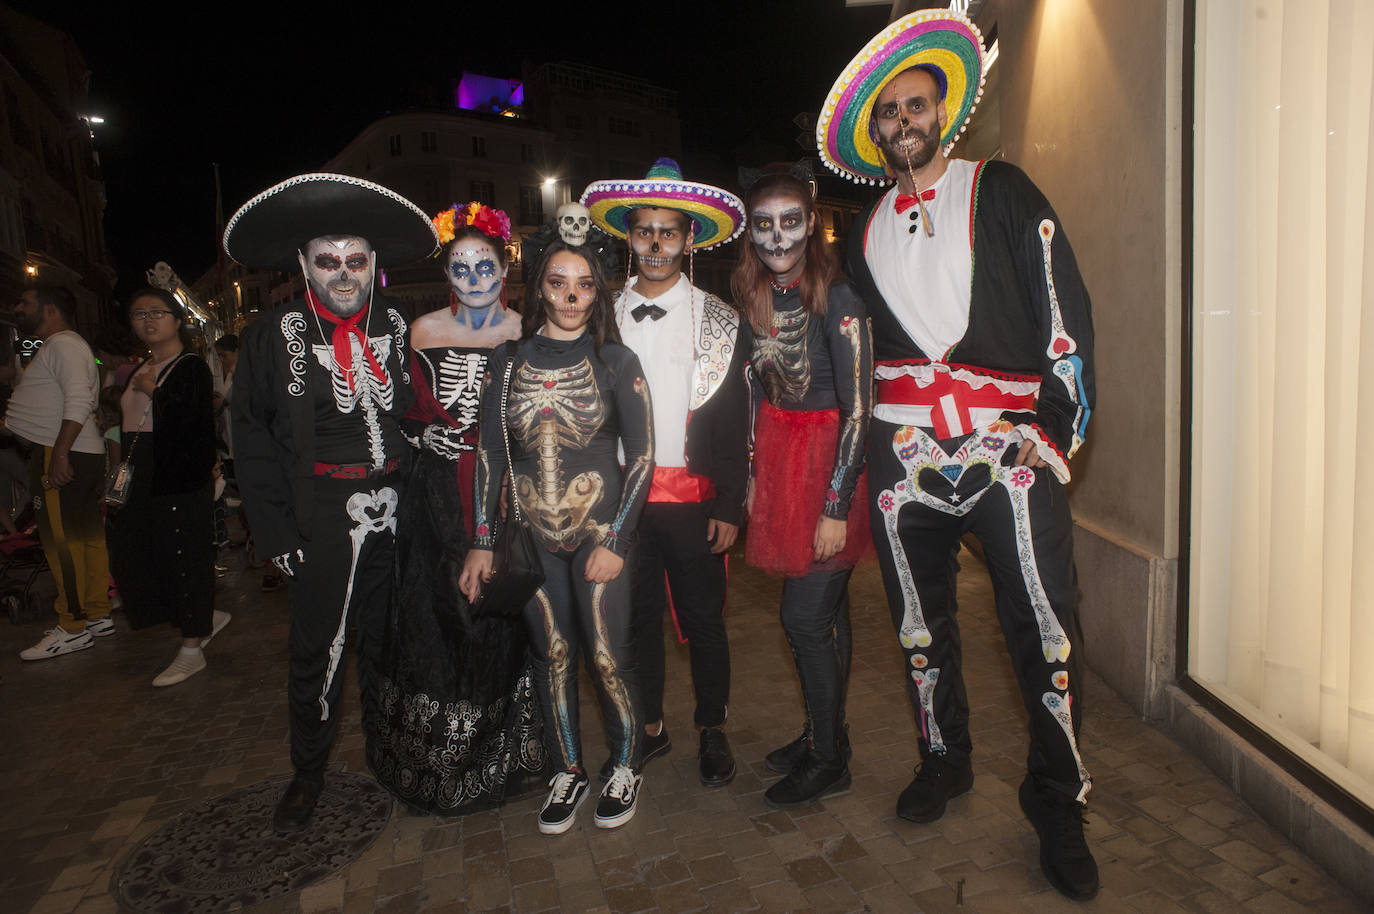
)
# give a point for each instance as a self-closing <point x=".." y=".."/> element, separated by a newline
<point x="983" y="345"/>
<point x="694" y="349"/>
<point x="53" y="409"/>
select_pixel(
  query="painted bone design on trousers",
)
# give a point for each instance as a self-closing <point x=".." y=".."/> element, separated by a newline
<point x="371" y="512"/>
<point x="552" y="409"/>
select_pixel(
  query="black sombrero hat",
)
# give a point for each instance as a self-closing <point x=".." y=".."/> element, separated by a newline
<point x="267" y="231"/>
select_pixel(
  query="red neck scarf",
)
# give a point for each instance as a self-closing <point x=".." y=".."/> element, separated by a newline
<point x="343" y="328"/>
<point x="907" y="201"/>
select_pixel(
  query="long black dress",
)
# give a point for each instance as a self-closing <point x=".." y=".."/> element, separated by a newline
<point x="460" y="725"/>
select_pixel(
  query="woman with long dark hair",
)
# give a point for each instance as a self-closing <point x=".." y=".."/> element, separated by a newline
<point x="813" y="360"/>
<point x="459" y="722"/>
<point x="573" y="394"/>
<point x="161" y="540"/>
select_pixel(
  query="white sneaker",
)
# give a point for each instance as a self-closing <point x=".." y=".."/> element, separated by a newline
<point x="101" y="627"/>
<point x="617" y="803"/>
<point x="221" y="619"/>
<point x="187" y="663"/>
<point x="58" y="641"/>
<point x="567" y="790"/>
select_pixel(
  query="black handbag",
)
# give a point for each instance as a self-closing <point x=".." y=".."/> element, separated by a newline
<point x="517" y="570"/>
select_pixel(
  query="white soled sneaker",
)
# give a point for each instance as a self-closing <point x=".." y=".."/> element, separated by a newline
<point x="188" y="662"/>
<point x="221" y="619"/>
<point x="101" y="627"/>
<point x="567" y="790"/>
<point x="617" y="803"/>
<point x="58" y="641"/>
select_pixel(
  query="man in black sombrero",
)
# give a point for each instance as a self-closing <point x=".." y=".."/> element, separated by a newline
<point x="983" y="342"/>
<point x="694" y="348"/>
<point x="320" y="387"/>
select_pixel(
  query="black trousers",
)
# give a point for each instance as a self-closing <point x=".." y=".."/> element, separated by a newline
<point x="671" y="539"/>
<point x="568" y="617"/>
<point x="815" y="618"/>
<point x="344" y="582"/>
<point x="926" y="494"/>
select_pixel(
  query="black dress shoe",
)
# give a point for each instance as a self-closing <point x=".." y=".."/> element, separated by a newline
<point x="937" y="782"/>
<point x="812" y="779"/>
<point x="717" y="764"/>
<point x="785" y="759"/>
<point x="297" y="805"/>
<point x="654" y="746"/>
<point x="1064" y="856"/>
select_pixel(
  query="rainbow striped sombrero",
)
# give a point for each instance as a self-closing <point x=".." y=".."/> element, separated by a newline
<point x="937" y="39"/>
<point x="717" y="215"/>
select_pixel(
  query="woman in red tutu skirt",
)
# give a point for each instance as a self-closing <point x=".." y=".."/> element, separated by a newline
<point x="808" y="521"/>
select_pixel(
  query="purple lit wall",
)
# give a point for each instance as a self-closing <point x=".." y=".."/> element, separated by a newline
<point x="488" y="93"/>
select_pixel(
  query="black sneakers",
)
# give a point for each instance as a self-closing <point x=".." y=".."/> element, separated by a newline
<point x="717" y="764"/>
<point x="654" y="746"/>
<point x="936" y="783"/>
<point x="810" y="780"/>
<point x="297" y="806"/>
<point x="617" y="803"/>
<point x="1064" y="856"/>
<point x="567" y="790"/>
<point x="785" y="759"/>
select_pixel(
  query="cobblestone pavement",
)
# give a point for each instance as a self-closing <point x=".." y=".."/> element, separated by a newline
<point x="94" y="759"/>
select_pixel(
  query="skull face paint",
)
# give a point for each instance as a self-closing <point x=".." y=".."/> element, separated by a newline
<point x="475" y="272"/>
<point x="909" y="116"/>
<point x="569" y="293"/>
<point x="340" y="270"/>
<point x="659" y="239"/>
<point x="778" y="229"/>
<point x="573" y="220"/>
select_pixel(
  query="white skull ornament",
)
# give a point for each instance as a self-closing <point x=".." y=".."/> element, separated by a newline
<point x="573" y="220"/>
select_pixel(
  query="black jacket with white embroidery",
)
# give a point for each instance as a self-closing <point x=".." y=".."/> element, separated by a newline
<point x="274" y="414"/>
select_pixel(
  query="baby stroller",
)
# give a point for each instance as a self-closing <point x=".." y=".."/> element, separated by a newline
<point x="26" y="594"/>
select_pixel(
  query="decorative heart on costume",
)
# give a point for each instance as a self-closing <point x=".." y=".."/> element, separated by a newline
<point x="953" y="483"/>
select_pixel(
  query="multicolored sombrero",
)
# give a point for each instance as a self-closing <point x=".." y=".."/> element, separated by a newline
<point x="717" y="215"/>
<point x="267" y="231"/>
<point x="937" y="39"/>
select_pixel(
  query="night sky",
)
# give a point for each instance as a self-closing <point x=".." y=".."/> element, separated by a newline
<point x="268" y="94"/>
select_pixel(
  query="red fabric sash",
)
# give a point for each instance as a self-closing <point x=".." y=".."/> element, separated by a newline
<point x="676" y="485"/>
<point x="343" y="328"/>
<point x="950" y="400"/>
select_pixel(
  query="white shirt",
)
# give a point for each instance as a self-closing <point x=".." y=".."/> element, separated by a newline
<point x="666" y="353"/>
<point x="62" y="382"/>
<point x="926" y="281"/>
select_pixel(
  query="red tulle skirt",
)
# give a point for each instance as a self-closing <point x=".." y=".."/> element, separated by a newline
<point x="794" y="455"/>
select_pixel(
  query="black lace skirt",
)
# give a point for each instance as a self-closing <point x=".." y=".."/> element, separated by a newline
<point x="460" y="725"/>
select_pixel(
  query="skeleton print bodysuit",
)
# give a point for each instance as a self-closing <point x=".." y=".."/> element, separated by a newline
<point x="566" y="411"/>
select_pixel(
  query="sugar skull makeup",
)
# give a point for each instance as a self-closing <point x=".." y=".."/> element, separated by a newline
<point x="778" y="229"/>
<point x="659" y="238"/>
<point x="339" y="269"/>
<point x="475" y="272"/>
<point x="569" y="292"/>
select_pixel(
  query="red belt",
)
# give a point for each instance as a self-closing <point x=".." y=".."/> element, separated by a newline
<point x="949" y="400"/>
<point x="675" y="484"/>
<point x="355" y="470"/>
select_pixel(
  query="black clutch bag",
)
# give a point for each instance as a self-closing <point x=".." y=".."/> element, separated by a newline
<point x="517" y="570"/>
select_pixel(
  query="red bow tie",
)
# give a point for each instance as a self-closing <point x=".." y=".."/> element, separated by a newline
<point x="907" y="201"/>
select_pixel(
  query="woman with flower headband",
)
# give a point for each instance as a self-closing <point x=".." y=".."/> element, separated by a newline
<point x="459" y="727"/>
<point x="813" y="359"/>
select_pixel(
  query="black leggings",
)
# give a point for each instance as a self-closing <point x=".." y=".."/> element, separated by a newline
<point x="815" y="618"/>
<point x="566" y="613"/>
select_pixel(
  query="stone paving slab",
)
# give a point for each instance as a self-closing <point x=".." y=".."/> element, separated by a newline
<point x="96" y="759"/>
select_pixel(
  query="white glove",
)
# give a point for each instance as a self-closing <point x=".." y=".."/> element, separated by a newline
<point x="283" y="562"/>
<point x="445" y="441"/>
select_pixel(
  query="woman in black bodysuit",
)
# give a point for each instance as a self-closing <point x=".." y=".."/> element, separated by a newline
<point x="575" y="393"/>
<point x="813" y="359"/>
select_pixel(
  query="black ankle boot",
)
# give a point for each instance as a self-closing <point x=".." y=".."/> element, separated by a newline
<point x="1064" y="856"/>
<point x="812" y="779"/>
<point x="297" y="806"/>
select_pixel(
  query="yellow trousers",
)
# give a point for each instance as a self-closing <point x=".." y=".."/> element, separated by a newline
<point x="73" y="534"/>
